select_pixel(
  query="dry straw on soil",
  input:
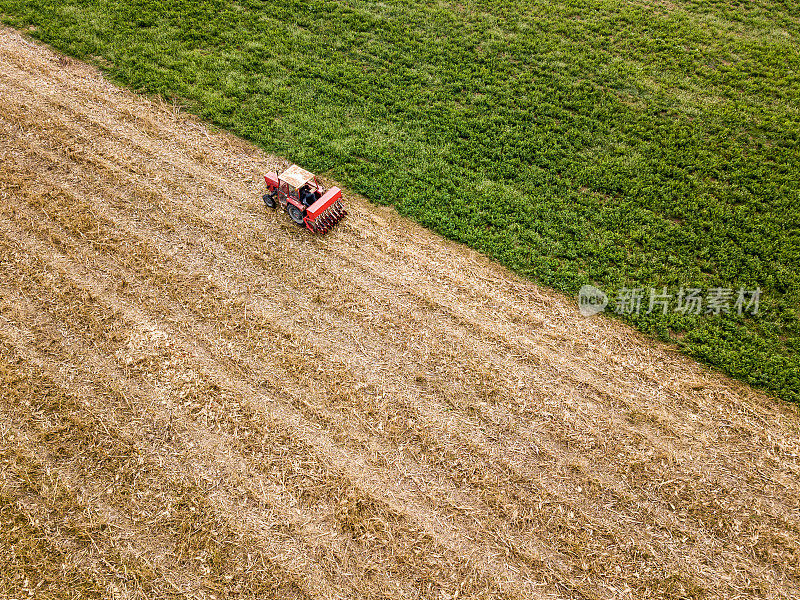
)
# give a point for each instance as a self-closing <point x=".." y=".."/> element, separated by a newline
<point x="201" y="400"/>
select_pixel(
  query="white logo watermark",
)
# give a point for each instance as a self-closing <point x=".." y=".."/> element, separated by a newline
<point x="591" y="300"/>
<point x="687" y="301"/>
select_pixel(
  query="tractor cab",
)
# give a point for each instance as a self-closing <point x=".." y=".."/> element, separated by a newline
<point x="300" y="185"/>
<point x="304" y="198"/>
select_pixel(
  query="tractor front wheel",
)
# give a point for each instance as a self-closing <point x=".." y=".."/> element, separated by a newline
<point x="295" y="213"/>
<point x="269" y="200"/>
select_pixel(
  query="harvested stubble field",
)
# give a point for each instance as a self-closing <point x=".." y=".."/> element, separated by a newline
<point x="201" y="400"/>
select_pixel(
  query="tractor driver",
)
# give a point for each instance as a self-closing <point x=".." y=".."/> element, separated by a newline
<point x="305" y="195"/>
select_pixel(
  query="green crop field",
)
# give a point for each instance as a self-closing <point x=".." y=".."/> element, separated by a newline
<point x="641" y="144"/>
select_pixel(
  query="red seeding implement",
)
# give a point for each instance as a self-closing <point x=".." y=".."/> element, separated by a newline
<point x="304" y="198"/>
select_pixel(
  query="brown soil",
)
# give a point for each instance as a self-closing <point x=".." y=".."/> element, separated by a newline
<point x="200" y="399"/>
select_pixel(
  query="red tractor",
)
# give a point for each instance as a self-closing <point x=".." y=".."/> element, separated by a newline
<point x="304" y="198"/>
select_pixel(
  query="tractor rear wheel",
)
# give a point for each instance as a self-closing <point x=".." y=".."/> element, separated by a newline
<point x="295" y="213"/>
<point x="269" y="201"/>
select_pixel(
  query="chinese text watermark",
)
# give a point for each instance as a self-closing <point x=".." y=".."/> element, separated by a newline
<point x="684" y="300"/>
